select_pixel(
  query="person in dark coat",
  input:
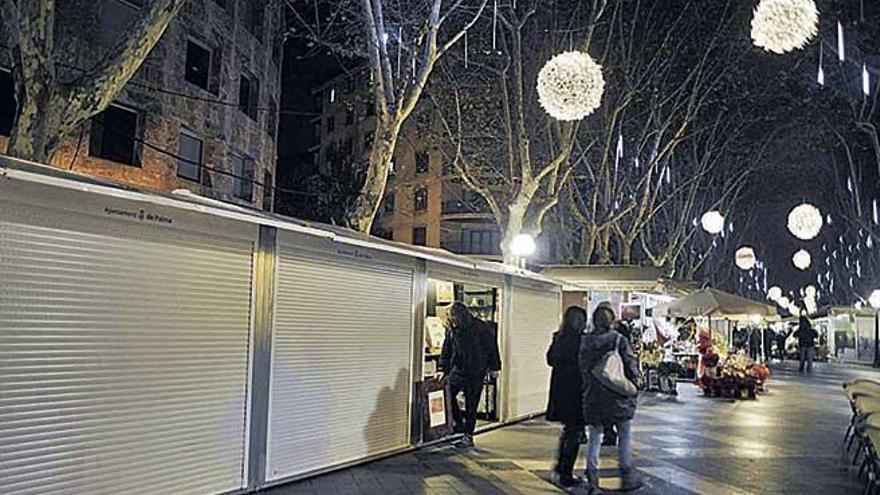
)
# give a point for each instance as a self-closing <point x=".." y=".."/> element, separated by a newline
<point x="602" y="406"/>
<point x="470" y="351"/>
<point x="806" y="337"/>
<point x="564" y="405"/>
<point x="769" y="337"/>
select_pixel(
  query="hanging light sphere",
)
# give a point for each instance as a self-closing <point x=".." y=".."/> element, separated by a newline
<point x="780" y="26"/>
<point x="713" y="222"/>
<point x="774" y="293"/>
<point x="805" y="222"/>
<point x="570" y="86"/>
<point x="783" y="302"/>
<point x="745" y="258"/>
<point x="802" y="260"/>
<point x="810" y="291"/>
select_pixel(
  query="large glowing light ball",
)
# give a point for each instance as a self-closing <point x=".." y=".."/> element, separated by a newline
<point x="805" y="222"/>
<point x="780" y="26"/>
<point x="745" y="258"/>
<point x="713" y="222"/>
<point x="802" y="260"/>
<point x="774" y="293"/>
<point x="523" y="245"/>
<point x="570" y="86"/>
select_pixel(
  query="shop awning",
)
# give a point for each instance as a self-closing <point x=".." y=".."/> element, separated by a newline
<point x="617" y="278"/>
<point x="716" y="303"/>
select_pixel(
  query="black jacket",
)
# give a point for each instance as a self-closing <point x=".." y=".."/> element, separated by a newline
<point x="601" y="406"/>
<point x="806" y="336"/>
<point x="564" y="404"/>
<point x="470" y="350"/>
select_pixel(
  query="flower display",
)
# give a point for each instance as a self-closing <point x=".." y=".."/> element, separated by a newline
<point x="781" y="26"/>
<point x="570" y="86"/>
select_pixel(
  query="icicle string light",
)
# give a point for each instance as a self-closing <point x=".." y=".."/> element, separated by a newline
<point x="495" y="25"/>
<point x="465" y="49"/>
<point x="841" y="48"/>
<point x="866" y="81"/>
<point x="820" y="78"/>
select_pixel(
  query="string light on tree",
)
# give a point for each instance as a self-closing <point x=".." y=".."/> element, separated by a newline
<point x="780" y="26"/>
<point x="745" y="258"/>
<point x="713" y="222"/>
<point x="570" y="86"/>
<point x="805" y="222"/>
<point x="802" y="260"/>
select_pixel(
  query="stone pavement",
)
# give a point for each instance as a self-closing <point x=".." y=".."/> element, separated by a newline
<point x="786" y="442"/>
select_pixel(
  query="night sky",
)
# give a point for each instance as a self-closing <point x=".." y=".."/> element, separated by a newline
<point x="804" y="161"/>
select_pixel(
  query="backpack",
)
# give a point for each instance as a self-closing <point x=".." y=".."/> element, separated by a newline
<point x="609" y="372"/>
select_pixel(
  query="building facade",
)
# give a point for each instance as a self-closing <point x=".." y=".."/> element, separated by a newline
<point x="200" y="114"/>
<point x="425" y="203"/>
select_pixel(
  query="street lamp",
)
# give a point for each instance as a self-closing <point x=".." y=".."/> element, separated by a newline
<point x="523" y="246"/>
<point x="874" y="300"/>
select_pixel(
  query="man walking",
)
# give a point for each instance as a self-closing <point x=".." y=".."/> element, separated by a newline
<point x="806" y="337"/>
<point x="470" y="351"/>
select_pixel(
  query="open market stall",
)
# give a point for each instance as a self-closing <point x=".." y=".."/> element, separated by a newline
<point x="716" y="370"/>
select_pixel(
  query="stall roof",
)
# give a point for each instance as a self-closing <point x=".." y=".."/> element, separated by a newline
<point x="618" y="278"/>
<point x="714" y="302"/>
<point x="24" y="171"/>
<point x="842" y="310"/>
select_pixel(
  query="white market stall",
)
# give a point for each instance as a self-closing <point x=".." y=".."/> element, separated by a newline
<point x="193" y="347"/>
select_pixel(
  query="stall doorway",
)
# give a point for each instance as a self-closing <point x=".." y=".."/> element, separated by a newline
<point x="483" y="301"/>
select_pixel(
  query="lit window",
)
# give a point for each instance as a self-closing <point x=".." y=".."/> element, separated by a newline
<point x="189" y="163"/>
<point x="198" y="64"/>
<point x="114" y="135"/>
<point x="420" y="199"/>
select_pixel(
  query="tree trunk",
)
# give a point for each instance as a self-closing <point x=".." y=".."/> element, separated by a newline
<point x="367" y="204"/>
<point x="39" y="125"/>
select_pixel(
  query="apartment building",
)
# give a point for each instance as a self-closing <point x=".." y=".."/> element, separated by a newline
<point x="425" y="204"/>
<point x="200" y="114"/>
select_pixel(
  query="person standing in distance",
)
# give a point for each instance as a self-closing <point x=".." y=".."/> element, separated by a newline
<point x="470" y="352"/>
<point x="564" y="405"/>
<point x="806" y="337"/>
<point x="603" y="407"/>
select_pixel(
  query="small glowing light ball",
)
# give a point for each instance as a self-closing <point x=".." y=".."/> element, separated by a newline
<point x="523" y="245"/>
<point x="805" y="222"/>
<point x="810" y="291"/>
<point x="802" y="260"/>
<point x="745" y="258"/>
<point x="570" y="86"/>
<point x="783" y="302"/>
<point x="874" y="300"/>
<point x="781" y="26"/>
<point x="774" y="293"/>
<point x="713" y="222"/>
<point x="859" y="305"/>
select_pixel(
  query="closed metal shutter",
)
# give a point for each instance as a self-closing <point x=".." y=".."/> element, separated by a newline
<point x="341" y="364"/>
<point x="123" y="356"/>
<point x="534" y="317"/>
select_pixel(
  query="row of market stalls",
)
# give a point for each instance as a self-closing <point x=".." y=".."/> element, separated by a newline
<point x="173" y="344"/>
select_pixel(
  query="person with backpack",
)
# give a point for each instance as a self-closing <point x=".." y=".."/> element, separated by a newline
<point x="470" y="352"/>
<point x="609" y="371"/>
<point x="564" y="405"/>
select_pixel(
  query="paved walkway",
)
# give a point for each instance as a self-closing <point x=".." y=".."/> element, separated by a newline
<point x="786" y="442"/>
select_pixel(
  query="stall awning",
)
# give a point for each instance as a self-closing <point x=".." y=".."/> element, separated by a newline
<point x="617" y="278"/>
<point x="716" y="303"/>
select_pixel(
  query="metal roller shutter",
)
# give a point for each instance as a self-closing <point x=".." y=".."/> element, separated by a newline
<point x="341" y="364"/>
<point x="534" y="317"/>
<point x="123" y="356"/>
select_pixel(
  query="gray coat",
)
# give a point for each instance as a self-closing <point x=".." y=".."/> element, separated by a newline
<point x="603" y="407"/>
